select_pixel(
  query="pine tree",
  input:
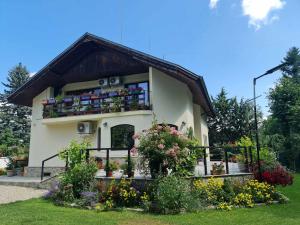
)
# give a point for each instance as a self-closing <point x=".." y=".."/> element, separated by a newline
<point x="234" y="119"/>
<point x="14" y="119"/>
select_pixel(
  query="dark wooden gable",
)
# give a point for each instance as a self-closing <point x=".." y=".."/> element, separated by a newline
<point x="92" y="57"/>
<point x="102" y="63"/>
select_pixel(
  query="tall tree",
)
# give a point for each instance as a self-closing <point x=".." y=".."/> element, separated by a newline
<point x="284" y="102"/>
<point x="14" y="119"/>
<point x="234" y="119"/>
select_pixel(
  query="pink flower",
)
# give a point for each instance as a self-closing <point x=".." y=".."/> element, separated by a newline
<point x="161" y="146"/>
<point x="135" y="136"/>
<point x="176" y="147"/>
<point x="173" y="131"/>
<point x="171" y="152"/>
<point x="134" y="151"/>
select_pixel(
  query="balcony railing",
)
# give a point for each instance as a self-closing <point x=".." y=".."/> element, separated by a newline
<point x="109" y="102"/>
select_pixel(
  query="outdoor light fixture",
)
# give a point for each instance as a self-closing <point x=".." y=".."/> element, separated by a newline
<point x="105" y="124"/>
<point x="270" y="71"/>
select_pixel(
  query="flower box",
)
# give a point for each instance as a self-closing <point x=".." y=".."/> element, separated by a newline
<point x="51" y="101"/>
<point x="113" y="94"/>
<point x="85" y="97"/>
<point x="68" y="99"/>
<point x="94" y="97"/>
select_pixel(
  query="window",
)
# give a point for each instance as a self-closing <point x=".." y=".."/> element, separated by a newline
<point x="170" y="125"/>
<point x="142" y="98"/>
<point x="121" y="136"/>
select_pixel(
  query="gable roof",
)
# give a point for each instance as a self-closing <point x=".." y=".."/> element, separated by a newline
<point x="108" y="58"/>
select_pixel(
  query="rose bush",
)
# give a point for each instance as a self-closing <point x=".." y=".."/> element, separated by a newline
<point x="163" y="148"/>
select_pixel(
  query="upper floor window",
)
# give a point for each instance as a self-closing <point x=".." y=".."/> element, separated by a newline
<point x="143" y="98"/>
<point x="121" y="136"/>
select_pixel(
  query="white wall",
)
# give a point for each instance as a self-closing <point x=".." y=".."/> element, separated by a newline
<point x="171" y="99"/>
<point x="200" y="123"/>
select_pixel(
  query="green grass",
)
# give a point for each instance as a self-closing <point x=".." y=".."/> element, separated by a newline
<point x="40" y="212"/>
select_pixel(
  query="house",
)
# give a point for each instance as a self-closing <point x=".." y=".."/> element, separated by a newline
<point x="107" y="92"/>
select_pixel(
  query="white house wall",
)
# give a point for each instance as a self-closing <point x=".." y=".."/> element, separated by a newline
<point x="171" y="100"/>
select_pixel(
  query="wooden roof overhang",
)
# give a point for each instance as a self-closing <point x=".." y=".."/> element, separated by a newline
<point x="92" y="57"/>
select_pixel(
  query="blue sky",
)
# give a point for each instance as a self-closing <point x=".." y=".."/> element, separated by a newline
<point x="227" y="42"/>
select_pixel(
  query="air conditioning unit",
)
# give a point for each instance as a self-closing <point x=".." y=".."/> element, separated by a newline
<point x="103" y="82"/>
<point x="85" y="127"/>
<point x="114" y="81"/>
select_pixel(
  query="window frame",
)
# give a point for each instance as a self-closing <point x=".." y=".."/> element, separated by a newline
<point x="131" y="140"/>
<point x="138" y="82"/>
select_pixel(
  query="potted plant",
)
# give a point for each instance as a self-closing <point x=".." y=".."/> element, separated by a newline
<point x="99" y="162"/>
<point x="18" y="169"/>
<point x="68" y="99"/>
<point x="59" y="99"/>
<point x="45" y="102"/>
<point x="51" y="101"/>
<point x="85" y="97"/>
<point x="217" y="169"/>
<point x="111" y="167"/>
<point x="53" y="114"/>
<point x="76" y="104"/>
<point x="123" y="92"/>
<point x="131" y="169"/>
<point x="93" y="96"/>
<point x="10" y="168"/>
<point x="134" y="104"/>
<point x="117" y="104"/>
<point x="104" y="107"/>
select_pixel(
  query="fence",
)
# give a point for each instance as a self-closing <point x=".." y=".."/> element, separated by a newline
<point x="212" y="160"/>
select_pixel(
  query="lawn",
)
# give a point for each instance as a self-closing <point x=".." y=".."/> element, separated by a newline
<point x="40" y="212"/>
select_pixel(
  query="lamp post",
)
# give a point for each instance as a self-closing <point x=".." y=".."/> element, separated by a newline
<point x="255" y="112"/>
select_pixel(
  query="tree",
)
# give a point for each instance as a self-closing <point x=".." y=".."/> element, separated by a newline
<point x="14" y="119"/>
<point x="284" y="102"/>
<point x="233" y="119"/>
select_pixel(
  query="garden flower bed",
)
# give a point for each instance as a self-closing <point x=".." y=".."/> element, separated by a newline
<point x="167" y="156"/>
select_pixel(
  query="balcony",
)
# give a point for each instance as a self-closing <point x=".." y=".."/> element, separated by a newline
<point x="123" y="100"/>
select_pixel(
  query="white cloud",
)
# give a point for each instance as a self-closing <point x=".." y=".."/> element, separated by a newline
<point x="259" y="11"/>
<point x="213" y="4"/>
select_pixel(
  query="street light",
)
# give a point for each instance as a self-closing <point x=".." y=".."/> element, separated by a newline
<point x="270" y="71"/>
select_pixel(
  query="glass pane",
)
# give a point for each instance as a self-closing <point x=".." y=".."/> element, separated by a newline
<point x="121" y="136"/>
<point x="144" y="98"/>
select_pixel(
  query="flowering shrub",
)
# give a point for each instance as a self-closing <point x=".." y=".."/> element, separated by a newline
<point x="244" y="199"/>
<point x="224" y="206"/>
<point x="162" y="148"/>
<point x="261" y="192"/>
<point x="225" y="193"/>
<point x="276" y="175"/>
<point x="210" y="192"/>
<point x="122" y="194"/>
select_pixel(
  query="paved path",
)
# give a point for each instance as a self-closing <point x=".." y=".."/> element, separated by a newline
<point x="13" y="193"/>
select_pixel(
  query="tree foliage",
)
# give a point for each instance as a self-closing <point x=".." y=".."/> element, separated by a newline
<point x="15" y="119"/>
<point x="234" y="119"/>
<point x="283" y="126"/>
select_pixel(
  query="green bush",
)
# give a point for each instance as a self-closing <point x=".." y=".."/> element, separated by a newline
<point x="75" y="153"/>
<point x="173" y="195"/>
<point x="79" y="177"/>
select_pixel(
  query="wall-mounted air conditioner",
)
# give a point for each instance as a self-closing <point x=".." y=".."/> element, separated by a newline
<point x="114" y="81"/>
<point x="85" y="127"/>
<point x="103" y="82"/>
